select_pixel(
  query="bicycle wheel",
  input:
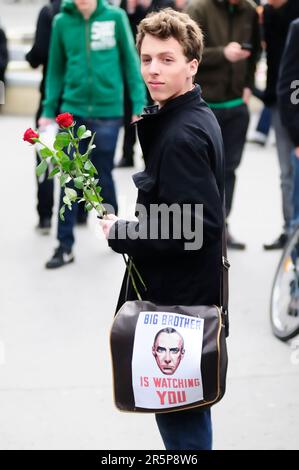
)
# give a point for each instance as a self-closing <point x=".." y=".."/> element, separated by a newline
<point x="284" y="309"/>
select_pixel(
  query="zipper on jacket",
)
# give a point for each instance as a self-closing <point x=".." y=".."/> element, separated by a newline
<point x="89" y="69"/>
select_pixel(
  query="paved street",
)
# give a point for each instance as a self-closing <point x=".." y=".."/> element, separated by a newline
<point x="20" y="15"/>
<point x="55" y="375"/>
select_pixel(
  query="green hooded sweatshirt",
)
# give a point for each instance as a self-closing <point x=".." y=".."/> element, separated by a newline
<point x="89" y="61"/>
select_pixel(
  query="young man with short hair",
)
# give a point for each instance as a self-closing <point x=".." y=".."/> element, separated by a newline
<point x="183" y="151"/>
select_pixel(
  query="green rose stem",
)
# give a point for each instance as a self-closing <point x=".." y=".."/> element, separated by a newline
<point x="100" y="209"/>
<point x="130" y="265"/>
<point x="79" y="169"/>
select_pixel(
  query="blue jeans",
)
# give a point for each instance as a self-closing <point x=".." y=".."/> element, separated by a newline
<point x="264" y="123"/>
<point x="186" y="430"/>
<point x="285" y="148"/>
<point x="102" y="157"/>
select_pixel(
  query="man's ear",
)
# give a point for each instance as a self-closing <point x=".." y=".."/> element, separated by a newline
<point x="154" y="351"/>
<point x="193" y="67"/>
<point x="183" y="352"/>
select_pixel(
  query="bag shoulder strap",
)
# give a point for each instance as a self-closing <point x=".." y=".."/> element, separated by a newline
<point x="224" y="277"/>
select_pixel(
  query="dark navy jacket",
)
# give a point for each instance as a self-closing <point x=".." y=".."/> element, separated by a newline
<point x="183" y="152"/>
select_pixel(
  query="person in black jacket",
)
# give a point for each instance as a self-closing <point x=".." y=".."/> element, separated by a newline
<point x="232" y="48"/>
<point x="3" y="61"/>
<point x="136" y="11"/>
<point x="288" y="100"/>
<point x="183" y="152"/>
<point x="37" y="56"/>
<point x="278" y="15"/>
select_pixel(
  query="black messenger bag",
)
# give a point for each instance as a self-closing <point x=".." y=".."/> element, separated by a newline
<point x="170" y="358"/>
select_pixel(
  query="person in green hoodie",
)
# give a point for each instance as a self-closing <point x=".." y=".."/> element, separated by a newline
<point x="92" y="52"/>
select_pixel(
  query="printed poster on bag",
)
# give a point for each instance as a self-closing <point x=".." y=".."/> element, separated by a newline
<point x="166" y="360"/>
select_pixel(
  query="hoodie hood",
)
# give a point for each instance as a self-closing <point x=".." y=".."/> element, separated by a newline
<point x="69" y="6"/>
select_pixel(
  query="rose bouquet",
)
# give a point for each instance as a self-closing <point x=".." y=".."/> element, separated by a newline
<point x="70" y="165"/>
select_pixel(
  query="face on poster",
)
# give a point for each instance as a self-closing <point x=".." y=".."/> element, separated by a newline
<point x="166" y="360"/>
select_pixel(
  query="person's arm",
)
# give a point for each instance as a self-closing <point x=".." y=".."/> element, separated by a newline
<point x="55" y="71"/>
<point x="130" y="64"/>
<point x="185" y="178"/>
<point x="38" y="55"/>
<point x="3" y="51"/>
<point x="212" y="56"/>
<point x="255" y="53"/>
<point x="288" y="84"/>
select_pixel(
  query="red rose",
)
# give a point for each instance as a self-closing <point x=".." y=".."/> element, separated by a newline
<point x="29" y="134"/>
<point x="65" y="120"/>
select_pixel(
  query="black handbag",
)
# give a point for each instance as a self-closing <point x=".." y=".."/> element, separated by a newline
<point x="170" y="358"/>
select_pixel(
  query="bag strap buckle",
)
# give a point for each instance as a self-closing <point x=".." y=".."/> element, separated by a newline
<point x="225" y="263"/>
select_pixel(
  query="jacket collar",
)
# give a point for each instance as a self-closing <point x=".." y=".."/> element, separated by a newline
<point x="180" y="100"/>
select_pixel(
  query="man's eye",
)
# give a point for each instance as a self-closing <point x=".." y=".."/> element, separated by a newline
<point x="159" y="349"/>
<point x="174" y="350"/>
<point x="168" y="60"/>
<point x="146" y="61"/>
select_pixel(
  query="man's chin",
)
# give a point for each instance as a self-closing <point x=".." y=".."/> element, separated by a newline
<point x="159" y="97"/>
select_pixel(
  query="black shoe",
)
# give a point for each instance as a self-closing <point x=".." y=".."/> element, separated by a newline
<point x="125" y="163"/>
<point x="61" y="257"/>
<point x="44" y="226"/>
<point x="233" y="244"/>
<point x="278" y="244"/>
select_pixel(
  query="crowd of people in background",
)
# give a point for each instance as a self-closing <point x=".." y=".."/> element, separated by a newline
<point x="235" y="31"/>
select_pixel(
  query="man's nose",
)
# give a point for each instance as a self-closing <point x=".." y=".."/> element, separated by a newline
<point x="154" y="67"/>
<point x="167" y="357"/>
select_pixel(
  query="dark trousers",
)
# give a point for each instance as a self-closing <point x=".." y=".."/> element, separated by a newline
<point x="45" y="187"/>
<point x="106" y="133"/>
<point x="234" y="124"/>
<point x="186" y="430"/>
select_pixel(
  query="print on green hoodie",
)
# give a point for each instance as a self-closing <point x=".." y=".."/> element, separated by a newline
<point x="89" y="61"/>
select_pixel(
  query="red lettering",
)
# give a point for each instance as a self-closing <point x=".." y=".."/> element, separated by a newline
<point x="172" y="398"/>
<point x="161" y="395"/>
